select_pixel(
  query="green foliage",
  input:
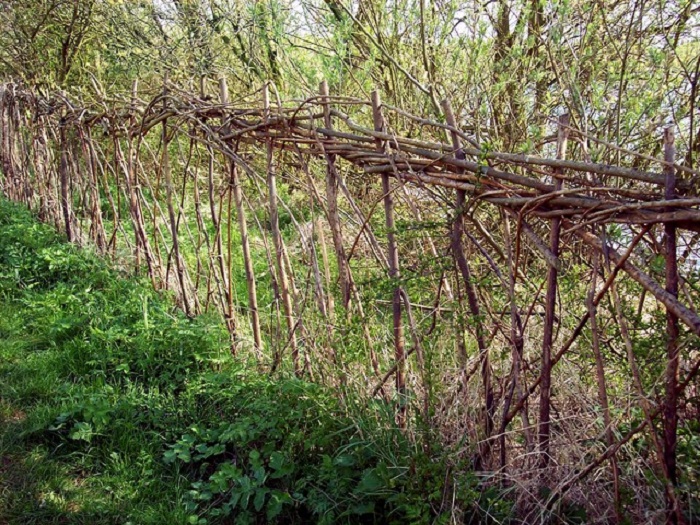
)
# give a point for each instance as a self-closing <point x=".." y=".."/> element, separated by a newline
<point x="138" y="414"/>
<point x="289" y="448"/>
<point x="615" y="75"/>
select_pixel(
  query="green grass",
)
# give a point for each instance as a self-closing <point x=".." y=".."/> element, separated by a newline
<point x="115" y="408"/>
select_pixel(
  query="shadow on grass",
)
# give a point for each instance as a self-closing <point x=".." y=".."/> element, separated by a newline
<point x="34" y="488"/>
<point x="42" y="482"/>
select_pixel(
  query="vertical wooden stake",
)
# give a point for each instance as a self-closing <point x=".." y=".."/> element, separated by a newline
<point x="173" y="223"/>
<point x="277" y="240"/>
<point x="222" y="284"/>
<point x="130" y="167"/>
<point x="670" y="408"/>
<point x="326" y="268"/>
<point x="332" y="199"/>
<point x="544" y="430"/>
<point x="516" y="335"/>
<point x="602" y="384"/>
<point x="394" y="272"/>
<point x="643" y="401"/>
<point x="97" y="225"/>
<point x="310" y="242"/>
<point x="137" y="241"/>
<point x="65" y="194"/>
<point x="463" y="265"/>
<point x="235" y="183"/>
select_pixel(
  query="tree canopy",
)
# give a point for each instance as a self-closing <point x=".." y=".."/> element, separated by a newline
<point x="620" y="68"/>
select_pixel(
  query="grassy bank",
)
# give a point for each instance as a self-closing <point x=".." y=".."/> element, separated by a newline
<point x="115" y="408"/>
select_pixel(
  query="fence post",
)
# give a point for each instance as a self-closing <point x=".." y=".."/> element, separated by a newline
<point x="332" y="198"/>
<point x="277" y="240"/>
<point x="179" y="266"/>
<point x="394" y="272"/>
<point x="463" y="265"/>
<point x="544" y="430"/>
<point x="63" y="179"/>
<point x="670" y="407"/>
<point x="235" y="184"/>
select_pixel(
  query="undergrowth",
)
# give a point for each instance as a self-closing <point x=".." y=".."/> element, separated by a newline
<point x="116" y="408"/>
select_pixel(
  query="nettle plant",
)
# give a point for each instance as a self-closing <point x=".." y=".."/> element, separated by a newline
<point x="244" y="485"/>
<point x="287" y="452"/>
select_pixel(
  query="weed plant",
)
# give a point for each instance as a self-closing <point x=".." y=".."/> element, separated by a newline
<point x="116" y="408"/>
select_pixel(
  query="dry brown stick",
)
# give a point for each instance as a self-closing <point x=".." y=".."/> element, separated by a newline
<point x="637" y="381"/>
<point x="133" y="199"/>
<point x="550" y="305"/>
<point x="328" y="306"/>
<point x="432" y="249"/>
<point x="330" y="303"/>
<point x="236" y="186"/>
<point x="392" y="371"/>
<point x="132" y="164"/>
<point x="517" y="343"/>
<point x="116" y="215"/>
<point x="394" y="272"/>
<point x="216" y="254"/>
<point x="217" y="293"/>
<point x="364" y="226"/>
<point x="65" y="196"/>
<point x="552" y="260"/>
<point x="223" y="284"/>
<point x="78" y="184"/>
<point x="136" y="212"/>
<point x="324" y="149"/>
<point x="418" y="345"/>
<point x="332" y="206"/>
<point x="689" y="317"/>
<point x="369" y="342"/>
<point x="472" y="299"/>
<point x="154" y="207"/>
<point x="202" y="233"/>
<point x="97" y="226"/>
<point x="602" y="384"/>
<point x="279" y="248"/>
<point x="670" y="408"/>
<point x="319" y="287"/>
<point x="195" y="243"/>
<point x="367" y="232"/>
<point x="165" y="166"/>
